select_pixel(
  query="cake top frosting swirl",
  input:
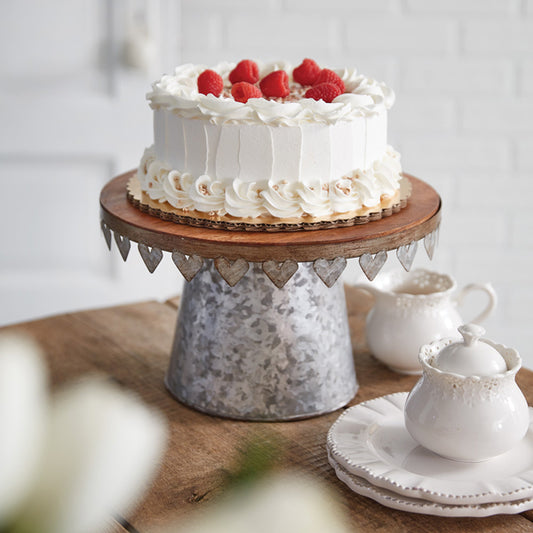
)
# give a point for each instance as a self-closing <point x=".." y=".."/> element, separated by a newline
<point x="179" y="92"/>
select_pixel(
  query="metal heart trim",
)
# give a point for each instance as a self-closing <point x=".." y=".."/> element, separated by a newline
<point x="123" y="245"/>
<point x="151" y="257"/>
<point x="231" y="271"/>
<point x="372" y="264"/>
<point x="430" y="242"/>
<point x="188" y="266"/>
<point x="406" y="254"/>
<point x="107" y="233"/>
<point x="280" y="272"/>
<point x="329" y="271"/>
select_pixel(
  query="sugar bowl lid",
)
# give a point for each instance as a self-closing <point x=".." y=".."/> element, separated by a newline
<point x="472" y="356"/>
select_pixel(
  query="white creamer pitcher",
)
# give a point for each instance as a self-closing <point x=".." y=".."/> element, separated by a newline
<point x="412" y="309"/>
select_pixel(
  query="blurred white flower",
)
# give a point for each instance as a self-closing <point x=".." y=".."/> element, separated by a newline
<point x="99" y="449"/>
<point x="284" y="503"/>
<point x="23" y="407"/>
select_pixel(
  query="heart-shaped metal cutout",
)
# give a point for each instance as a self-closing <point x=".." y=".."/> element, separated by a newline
<point x="329" y="270"/>
<point x="188" y="266"/>
<point x="430" y="242"/>
<point x="280" y="272"/>
<point x="406" y="254"/>
<point x="123" y="244"/>
<point x="107" y="233"/>
<point x="372" y="264"/>
<point x="151" y="256"/>
<point x="231" y="271"/>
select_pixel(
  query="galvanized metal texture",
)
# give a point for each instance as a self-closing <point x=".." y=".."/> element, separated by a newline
<point x="256" y="352"/>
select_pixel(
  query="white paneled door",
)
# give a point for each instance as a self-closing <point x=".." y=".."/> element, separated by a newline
<point x="73" y="75"/>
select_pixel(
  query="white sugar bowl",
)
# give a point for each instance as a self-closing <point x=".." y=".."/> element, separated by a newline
<point x="467" y="405"/>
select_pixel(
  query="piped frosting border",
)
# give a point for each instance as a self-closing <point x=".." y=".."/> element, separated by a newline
<point x="362" y="190"/>
<point x="263" y="224"/>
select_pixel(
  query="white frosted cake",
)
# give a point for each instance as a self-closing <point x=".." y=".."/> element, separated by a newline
<point x="270" y="144"/>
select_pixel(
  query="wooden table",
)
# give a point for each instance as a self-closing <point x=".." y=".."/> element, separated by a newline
<point x="131" y="344"/>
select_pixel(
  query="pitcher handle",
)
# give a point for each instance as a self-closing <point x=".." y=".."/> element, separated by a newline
<point x="488" y="289"/>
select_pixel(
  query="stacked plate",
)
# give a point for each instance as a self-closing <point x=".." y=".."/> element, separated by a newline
<point x="372" y="452"/>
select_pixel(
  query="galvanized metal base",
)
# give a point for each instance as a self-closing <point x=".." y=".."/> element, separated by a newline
<point x="256" y="352"/>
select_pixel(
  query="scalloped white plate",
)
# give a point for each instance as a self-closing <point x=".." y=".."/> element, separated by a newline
<point x="370" y="441"/>
<point x="413" y="505"/>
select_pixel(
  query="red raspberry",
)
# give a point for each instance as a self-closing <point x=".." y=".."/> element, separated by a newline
<point x="210" y="82"/>
<point x="306" y="73"/>
<point x="243" y="90"/>
<point x="323" y="91"/>
<point x="328" y="76"/>
<point x="275" y="84"/>
<point x="246" y="70"/>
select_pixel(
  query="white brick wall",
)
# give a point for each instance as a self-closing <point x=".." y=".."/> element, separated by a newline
<point x="463" y="119"/>
<point x="458" y="76"/>
<point x="499" y="37"/>
<point x="420" y="35"/>
<point x="526" y="79"/>
<point x="72" y="117"/>
<point x="524" y="151"/>
<point x="471" y="8"/>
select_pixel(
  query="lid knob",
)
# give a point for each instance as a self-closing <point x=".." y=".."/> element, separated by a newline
<point x="471" y="333"/>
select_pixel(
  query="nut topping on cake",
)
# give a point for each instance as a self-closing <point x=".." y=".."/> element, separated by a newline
<point x="343" y="188"/>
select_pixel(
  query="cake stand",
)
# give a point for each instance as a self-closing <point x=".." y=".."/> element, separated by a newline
<point x="262" y="332"/>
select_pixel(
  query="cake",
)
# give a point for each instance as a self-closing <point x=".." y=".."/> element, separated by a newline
<point x="267" y="145"/>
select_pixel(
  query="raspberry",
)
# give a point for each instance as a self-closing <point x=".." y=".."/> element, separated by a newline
<point x="323" y="91"/>
<point x="275" y="84"/>
<point x="246" y="70"/>
<point x="210" y="82"/>
<point x="328" y="76"/>
<point x="306" y="73"/>
<point x="243" y="90"/>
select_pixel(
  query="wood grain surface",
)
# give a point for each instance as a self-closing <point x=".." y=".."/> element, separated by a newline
<point x="131" y="345"/>
<point x="420" y="217"/>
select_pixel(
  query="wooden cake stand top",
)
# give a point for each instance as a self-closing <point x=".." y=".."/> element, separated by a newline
<point x="419" y="218"/>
